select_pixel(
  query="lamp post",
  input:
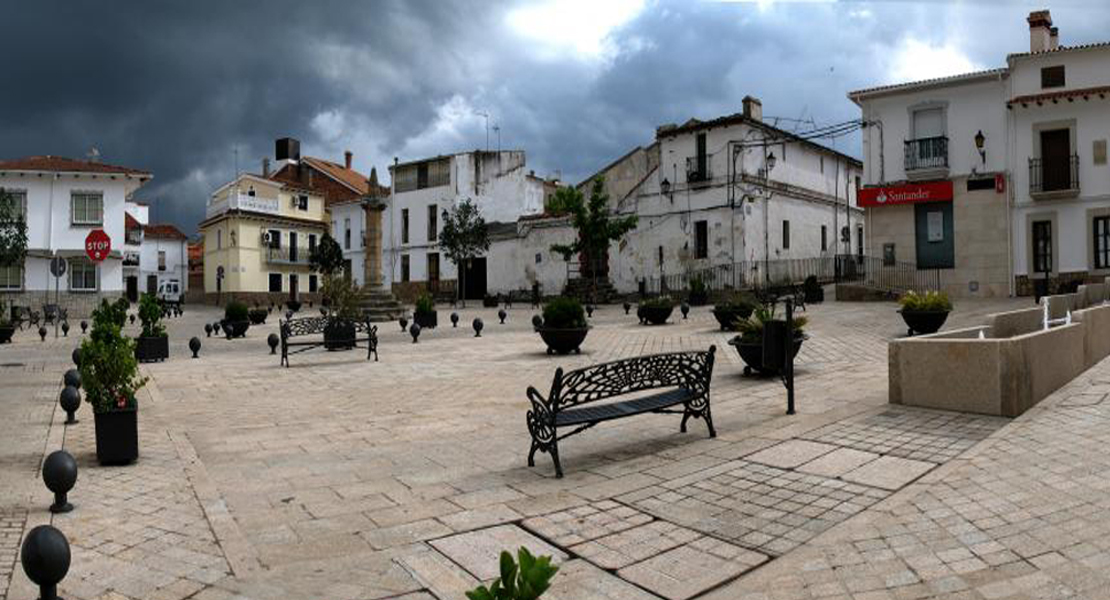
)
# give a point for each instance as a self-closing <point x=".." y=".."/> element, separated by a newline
<point x="980" y="140"/>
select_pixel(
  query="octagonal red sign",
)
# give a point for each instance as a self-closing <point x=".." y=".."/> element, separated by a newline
<point x="98" y="245"/>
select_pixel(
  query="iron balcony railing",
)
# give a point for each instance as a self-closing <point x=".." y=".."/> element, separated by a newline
<point x="927" y="153"/>
<point x="697" y="169"/>
<point x="1057" y="175"/>
<point x="286" y="255"/>
<point x="886" y="276"/>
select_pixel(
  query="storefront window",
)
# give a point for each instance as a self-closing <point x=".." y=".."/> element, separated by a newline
<point x="1042" y="246"/>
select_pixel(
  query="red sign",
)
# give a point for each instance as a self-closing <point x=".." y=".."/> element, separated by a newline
<point x="999" y="183"/>
<point x="933" y="191"/>
<point x="98" y="245"/>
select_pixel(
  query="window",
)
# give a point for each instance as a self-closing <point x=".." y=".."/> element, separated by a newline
<point x="427" y="174"/>
<point x="219" y="239"/>
<point x="11" y="277"/>
<point x="275" y="282"/>
<point x="701" y="239"/>
<point x="161" y="260"/>
<point x="822" y="158"/>
<point x="786" y="235"/>
<point x="302" y="202"/>
<point x="859" y="240"/>
<point x="928" y="123"/>
<point x="1052" y="77"/>
<point x="824" y="238"/>
<point x="1102" y="242"/>
<point x="275" y="238"/>
<point x="404" y="225"/>
<point x="250" y="192"/>
<point x="86" y="208"/>
<point x="433" y="225"/>
<point x="1042" y="246"/>
<point x="346" y="234"/>
<point x="18" y="203"/>
<point x="293" y="283"/>
<point x="311" y="244"/>
<point x="292" y="246"/>
<point x="82" y="275"/>
<point x="313" y="284"/>
<point x="404" y="267"/>
<point x="433" y="266"/>
<point x="660" y="257"/>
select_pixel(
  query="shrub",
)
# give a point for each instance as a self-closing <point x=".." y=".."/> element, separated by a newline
<point x="751" y="329"/>
<point x="741" y="301"/>
<point x="4" y="314"/>
<point x="343" y="297"/>
<point x="564" y="313"/>
<point x="425" y="304"/>
<point x="150" y="313"/>
<point x="657" y="302"/>
<point x="697" y="286"/>
<point x="526" y="582"/>
<point x="236" y="311"/>
<point x="258" y="315"/>
<point x="109" y="371"/>
<point x="928" y="302"/>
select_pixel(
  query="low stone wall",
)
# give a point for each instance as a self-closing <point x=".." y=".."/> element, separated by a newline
<point x="1016" y="322"/>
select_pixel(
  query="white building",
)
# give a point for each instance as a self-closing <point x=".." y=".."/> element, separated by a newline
<point x="999" y="176"/>
<point x="64" y="200"/>
<point x="163" y="258"/>
<point x="348" y="223"/>
<point x="422" y="190"/>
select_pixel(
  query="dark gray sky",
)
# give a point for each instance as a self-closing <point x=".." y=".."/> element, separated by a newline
<point x="178" y="87"/>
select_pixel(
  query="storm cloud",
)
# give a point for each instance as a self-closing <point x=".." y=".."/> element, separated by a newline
<point x="193" y="90"/>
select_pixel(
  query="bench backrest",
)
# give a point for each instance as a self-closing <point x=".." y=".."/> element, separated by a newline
<point x="314" y="325"/>
<point x="691" y="370"/>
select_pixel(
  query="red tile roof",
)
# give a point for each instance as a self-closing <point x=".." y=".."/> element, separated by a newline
<point x="348" y="177"/>
<point x="130" y="222"/>
<point x="66" y="165"/>
<point x="163" y="231"/>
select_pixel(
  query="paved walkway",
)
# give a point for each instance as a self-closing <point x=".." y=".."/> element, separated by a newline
<point x="341" y="478"/>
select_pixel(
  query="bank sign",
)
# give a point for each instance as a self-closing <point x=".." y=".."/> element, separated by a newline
<point x="934" y="191"/>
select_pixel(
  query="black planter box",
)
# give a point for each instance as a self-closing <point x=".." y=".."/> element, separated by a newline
<point x="752" y="354"/>
<point x="149" y="349"/>
<point x="293" y="305"/>
<point x="6" y="332"/>
<point x="238" y="329"/>
<point x="117" y="437"/>
<point x="727" y="317"/>
<point x="656" y="315"/>
<point x="491" y="301"/>
<point x="339" y="335"/>
<point x="924" y="321"/>
<point x="698" y="298"/>
<point x="257" y="316"/>
<point x="563" y="341"/>
<point x="426" y="320"/>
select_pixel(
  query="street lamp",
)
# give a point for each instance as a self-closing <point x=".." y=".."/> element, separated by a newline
<point x="980" y="140"/>
<point x="665" y="187"/>
<point x="770" y="164"/>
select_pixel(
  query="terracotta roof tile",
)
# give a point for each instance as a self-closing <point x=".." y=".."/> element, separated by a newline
<point x="163" y="231"/>
<point x="66" y="165"/>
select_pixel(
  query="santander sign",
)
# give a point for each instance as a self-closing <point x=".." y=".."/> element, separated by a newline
<point x="933" y="191"/>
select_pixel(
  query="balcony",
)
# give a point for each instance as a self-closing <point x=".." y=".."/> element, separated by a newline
<point x="297" y="256"/>
<point x="926" y="158"/>
<point x="1054" y="178"/>
<point x="697" y="170"/>
<point x="243" y="202"/>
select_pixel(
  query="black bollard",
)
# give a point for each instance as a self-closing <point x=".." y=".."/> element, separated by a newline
<point x="501" y="314"/>
<point x="590" y="311"/>
<point x="627" y="307"/>
<point x="207" y="330"/>
<point x="59" y="473"/>
<point x="273" y="341"/>
<point x="685" y="308"/>
<point x="454" y="319"/>
<point x="42" y="332"/>
<point x="76" y="356"/>
<point x="537" y="321"/>
<point x="84" y="326"/>
<point x="65" y="328"/>
<point x="404" y="323"/>
<point x="414" y="331"/>
<point x="70" y="401"/>
<point x="478" y="325"/>
<point x="72" y="377"/>
<point x="45" y="557"/>
<point x="194" y="345"/>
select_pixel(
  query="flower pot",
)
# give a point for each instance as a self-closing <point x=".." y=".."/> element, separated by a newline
<point x="752" y="354"/>
<point x="656" y="315"/>
<point x="6" y="332"/>
<point x="238" y="329"/>
<point x="563" y="341"/>
<point x="924" y="321"/>
<point x="700" y="298"/>
<point x="293" y="305"/>
<point x="727" y="316"/>
<point x="339" y="335"/>
<point x="117" y="437"/>
<point x="257" y="316"/>
<point x="149" y="349"/>
<point x="425" y="319"/>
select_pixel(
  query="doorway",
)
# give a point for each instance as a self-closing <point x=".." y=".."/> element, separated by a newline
<point x="152" y="284"/>
<point x="133" y="288"/>
<point x="293" y="288"/>
<point x="474" y="279"/>
<point x="1056" y="160"/>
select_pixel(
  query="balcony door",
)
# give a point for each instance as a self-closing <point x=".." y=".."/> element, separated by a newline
<point x="1056" y="159"/>
<point x="292" y="246"/>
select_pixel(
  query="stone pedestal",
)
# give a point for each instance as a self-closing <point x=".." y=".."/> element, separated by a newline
<point x="377" y="302"/>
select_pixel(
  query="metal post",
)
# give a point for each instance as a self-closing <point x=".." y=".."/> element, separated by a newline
<point x="57" y="304"/>
<point x="788" y="364"/>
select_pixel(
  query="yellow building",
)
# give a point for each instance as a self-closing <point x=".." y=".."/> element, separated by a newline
<point x="258" y="236"/>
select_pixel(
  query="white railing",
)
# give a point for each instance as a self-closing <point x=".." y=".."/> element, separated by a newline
<point x="244" y="202"/>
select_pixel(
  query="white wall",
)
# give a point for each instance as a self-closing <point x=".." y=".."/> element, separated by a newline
<point x="353" y="214"/>
<point x="177" y="261"/>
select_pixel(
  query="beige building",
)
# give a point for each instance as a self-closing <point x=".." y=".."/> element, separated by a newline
<point x="258" y="236"/>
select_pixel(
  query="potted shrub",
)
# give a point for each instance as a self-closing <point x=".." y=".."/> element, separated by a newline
<point x="655" y="310"/>
<point x="733" y="310"/>
<point x="293" y="305"/>
<point x="489" y="301"/>
<point x="343" y="311"/>
<point x="257" y="316"/>
<point x="814" y="293"/>
<point x="6" y="326"/>
<point x="699" y="293"/>
<point x="749" y="344"/>
<point x="152" y="343"/>
<point x="425" y="313"/>
<point x="564" y="326"/>
<point x="109" y="375"/>
<point x="236" y="319"/>
<point x="924" y="313"/>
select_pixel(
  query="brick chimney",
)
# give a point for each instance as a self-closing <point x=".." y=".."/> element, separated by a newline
<point x="753" y="108"/>
<point x="266" y="167"/>
<point x="1040" y="30"/>
<point x="347" y="156"/>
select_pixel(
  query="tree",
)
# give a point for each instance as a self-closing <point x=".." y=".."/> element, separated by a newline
<point x="13" y="232"/>
<point x="327" y="257"/>
<point x="596" y="228"/>
<point x="464" y="236"/>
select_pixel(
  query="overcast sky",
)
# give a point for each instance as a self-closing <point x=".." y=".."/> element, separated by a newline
<point x="180" y="88"/>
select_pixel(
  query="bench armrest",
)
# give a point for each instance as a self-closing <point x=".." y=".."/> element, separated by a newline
<point x="541" y="419"/>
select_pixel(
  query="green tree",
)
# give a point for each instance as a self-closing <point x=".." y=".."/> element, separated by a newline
<point x="464" y="236"/>
<point x="13" y="232"/>
<point x="327" y="257"/>
<point x="595" y="226"/>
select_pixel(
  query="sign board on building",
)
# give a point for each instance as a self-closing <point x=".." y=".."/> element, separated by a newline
<point x="936" y="226"/>
<point x="933" y="191"/>
<point x="97" y="245"/>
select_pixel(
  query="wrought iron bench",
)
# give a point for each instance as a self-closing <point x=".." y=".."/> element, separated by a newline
<point x="22" y="315"/>
<point x="311" y="326"/>
<point x="50" y="312"/>
<point x="684" y="378"/>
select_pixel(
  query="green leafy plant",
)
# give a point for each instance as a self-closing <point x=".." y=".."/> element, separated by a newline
<point x="109" y="371"/>
<point x="258" y="315"/>
<point x="425" y="304"/>
<point x="13" y="231"/>
<point x="931" y="301"/>
<point x="660" y="302"/>
<point x="4" y="314"/>
<point x="463" y="236"/>
<point x="738" y="302"/>
<point x="564" y="313"/>
<point x="527" y="581"/>
<point x="591" y="219"/>
<point x="150" y="313"/>
<point x="236" y="311"/>
<point x="327" y="257"/>
<point x="343" y="297"/>
<point x="751" y="329"/>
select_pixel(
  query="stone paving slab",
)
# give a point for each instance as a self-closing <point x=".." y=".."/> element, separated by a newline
<point x="838" y="462"/>
<point x="888" y="472"/>
<point x="479" y="551"/>
<point x="622" y="549"/>
<point x="584" y="523"/>
<point x="791" y="453"/>
<point x="693" y="568"/>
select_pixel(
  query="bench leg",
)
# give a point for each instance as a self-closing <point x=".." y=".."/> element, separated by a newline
<point x="709" y="421"/>
<point x="552" y="449"/>
<point x="532" y="454"/>
<point x="705" y="413"/>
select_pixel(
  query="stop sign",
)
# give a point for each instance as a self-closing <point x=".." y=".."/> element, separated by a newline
<point x="98" y="245"/>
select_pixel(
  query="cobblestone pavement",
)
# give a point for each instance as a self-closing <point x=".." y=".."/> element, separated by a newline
<point x="403" y="478"/>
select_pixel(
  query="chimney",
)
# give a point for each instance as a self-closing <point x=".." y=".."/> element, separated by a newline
<point x="287" y="149"/>
<point x="266" y="167"/>
<point x="753" y="108"/>
<point x="1040" y="30"/>
<point x="1053" y="38"/>
<point x="347" y="156"/>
